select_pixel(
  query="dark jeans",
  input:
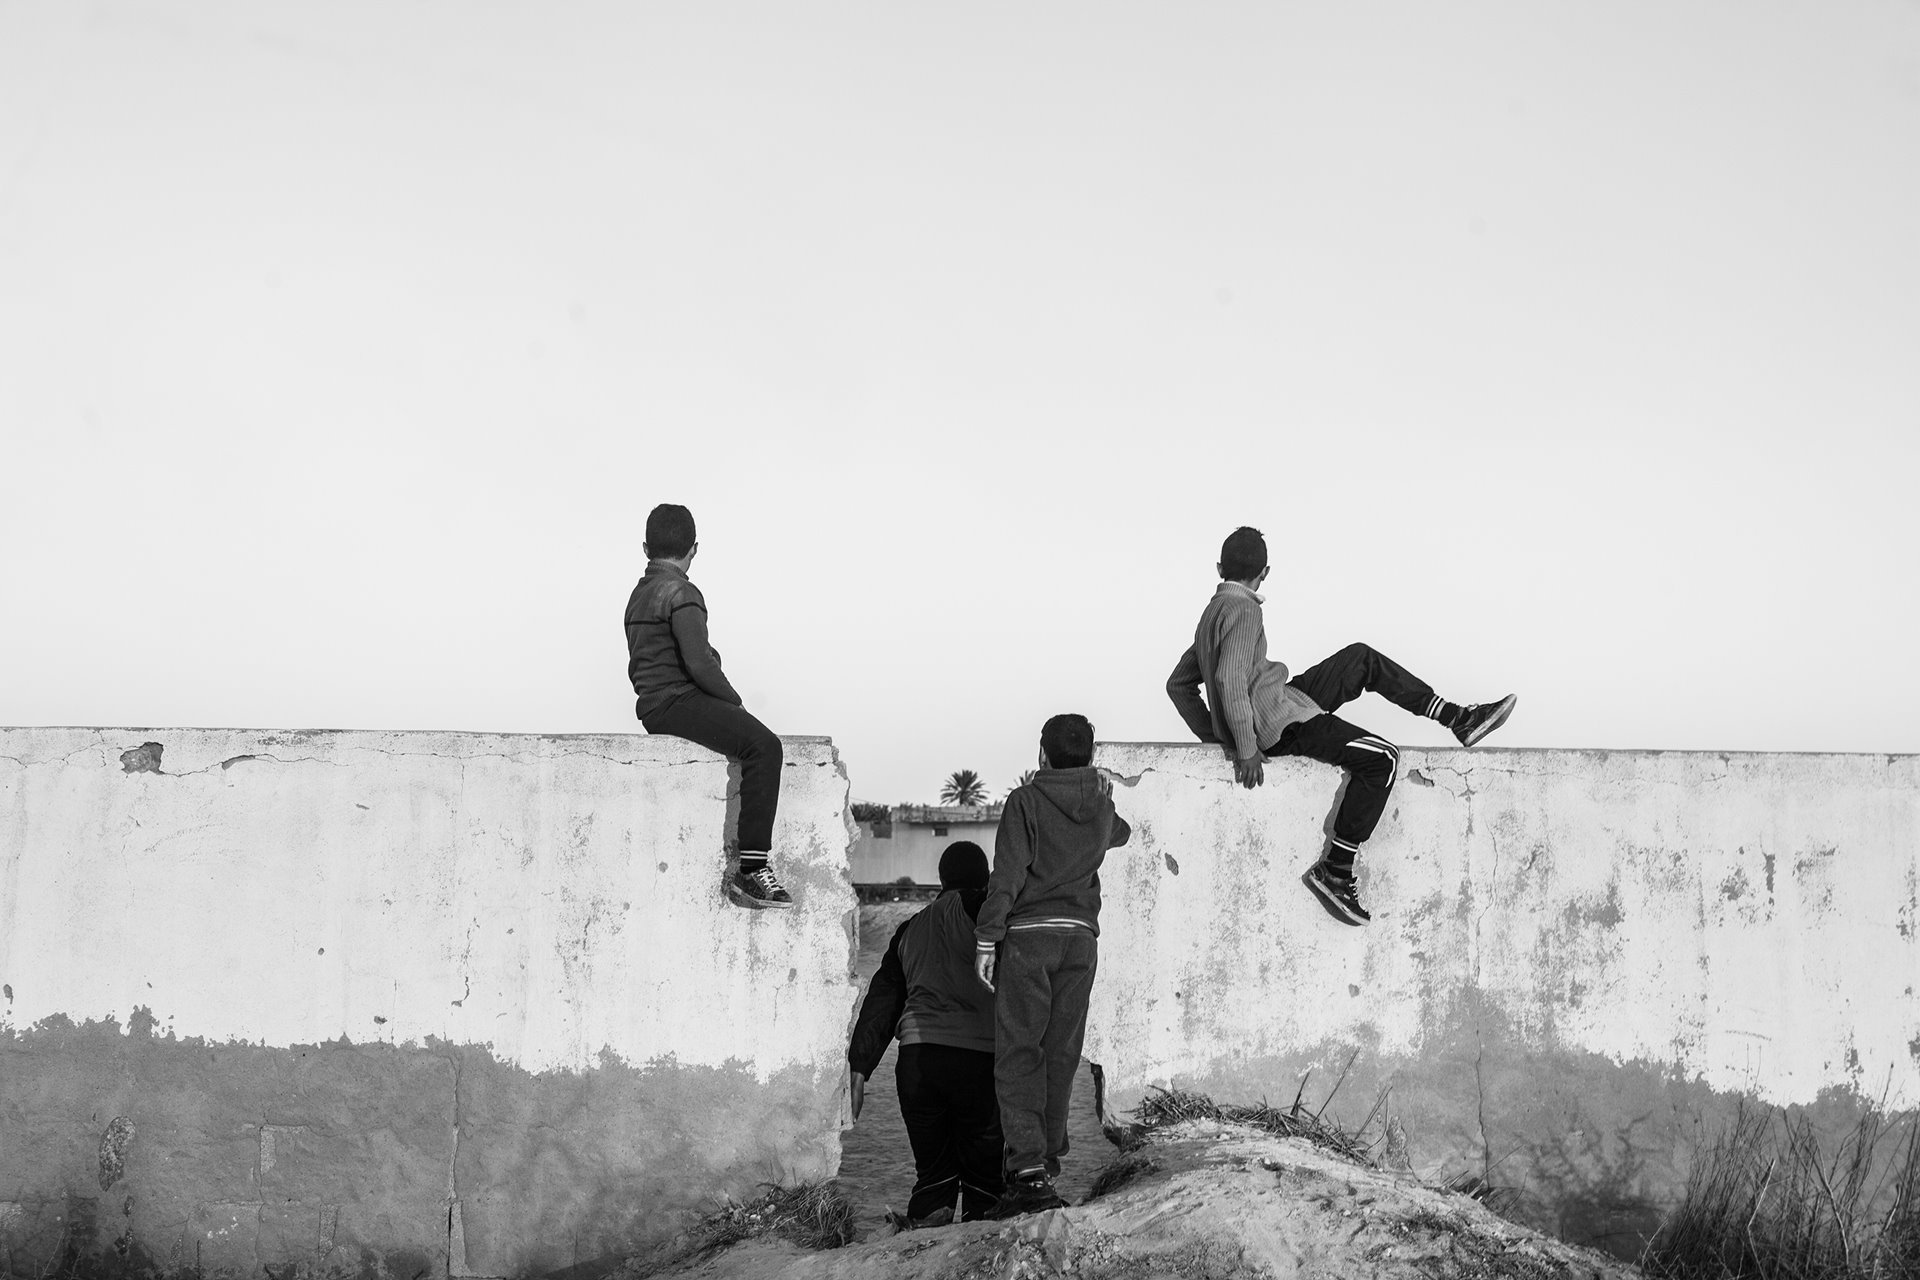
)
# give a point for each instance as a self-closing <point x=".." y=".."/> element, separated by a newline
<point x="1042" y="982"/>
<point x="946" y="1098"/>
<point x="723" y="727"/>
<point x="1369" y="759"/>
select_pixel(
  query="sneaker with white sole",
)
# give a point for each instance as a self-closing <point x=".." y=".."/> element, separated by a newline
<point x="760" y="890"/>
<point x="1482" y="718"/>
<point x="1336" y="893"/>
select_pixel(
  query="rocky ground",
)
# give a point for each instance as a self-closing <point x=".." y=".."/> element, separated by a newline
<point x="1201" y="1200"/>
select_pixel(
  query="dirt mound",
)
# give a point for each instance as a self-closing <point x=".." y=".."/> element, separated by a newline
<point x="1206" y="1199"/>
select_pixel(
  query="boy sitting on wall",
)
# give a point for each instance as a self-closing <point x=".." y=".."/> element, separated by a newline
<point x="1035" y="949"/>
<point x="925" y="992"/>
<point x="1255" y="711"/>
<point x="680" y="690"/>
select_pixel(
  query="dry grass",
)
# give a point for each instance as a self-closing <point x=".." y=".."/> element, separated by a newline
<point x="1119" y="1173"/>
<point x="1297" y="1120"/>
<point x="1767" y="1204"/>
<point x="813" y="1216"/>
<point x="1172" y="1106"/>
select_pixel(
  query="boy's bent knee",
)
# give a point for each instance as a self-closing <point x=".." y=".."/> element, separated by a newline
<point x="764" y="745"/>
<point x="1377" y="760"/>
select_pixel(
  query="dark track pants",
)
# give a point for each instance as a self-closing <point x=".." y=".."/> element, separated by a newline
<point x="1042" y="982"/>
<point x="1370" y="760"/>
<point x="953" y="1125"/>
<point x="730" y="730"/>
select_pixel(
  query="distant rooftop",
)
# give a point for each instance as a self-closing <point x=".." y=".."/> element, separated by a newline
<point x="945" y="814"/>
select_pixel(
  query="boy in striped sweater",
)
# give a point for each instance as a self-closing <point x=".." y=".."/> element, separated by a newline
<point x="1255" y="711"/>
<point x="1035" y="949"/>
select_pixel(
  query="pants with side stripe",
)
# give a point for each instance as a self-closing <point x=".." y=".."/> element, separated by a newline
<point x="1370" y="760"/>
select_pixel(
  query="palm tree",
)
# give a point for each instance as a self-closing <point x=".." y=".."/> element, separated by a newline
<point x="1025" y="778"/>
<point x="964" y="788"/>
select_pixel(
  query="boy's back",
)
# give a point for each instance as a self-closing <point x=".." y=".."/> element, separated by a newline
<point x="657" y="667"/>
<point x="679" y="689"/>
<point x="1054" y="834"/>
<point x="1036" y="944"/>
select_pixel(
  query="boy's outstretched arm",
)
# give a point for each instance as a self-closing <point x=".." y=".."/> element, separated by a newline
<point x="697" y="655"/>
<point x="1183" y="686"/>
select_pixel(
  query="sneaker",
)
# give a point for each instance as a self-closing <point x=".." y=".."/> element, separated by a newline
<point x="1336" y="894"/>
<point x="1482" y="718"/>
<point x="758" y="889"/>
<point x="938" y="1218"/>
<point x="1032" y="1194"/>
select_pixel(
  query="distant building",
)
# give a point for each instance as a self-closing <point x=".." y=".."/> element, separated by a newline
<point x="909" y="841"/>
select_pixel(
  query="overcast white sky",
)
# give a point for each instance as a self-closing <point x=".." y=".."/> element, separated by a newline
<point x="1568" y="349"/>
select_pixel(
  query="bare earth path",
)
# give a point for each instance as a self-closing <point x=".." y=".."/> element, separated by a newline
<point x="876" y="1166"/>
<point x="1209" y="1201"/>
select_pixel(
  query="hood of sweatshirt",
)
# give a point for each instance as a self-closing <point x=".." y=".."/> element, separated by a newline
<point x="1076" y="793"/>
<point x="1054" y="834"/>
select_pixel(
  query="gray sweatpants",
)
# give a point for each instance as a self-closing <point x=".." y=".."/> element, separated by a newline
<point x="1043" y="979"/>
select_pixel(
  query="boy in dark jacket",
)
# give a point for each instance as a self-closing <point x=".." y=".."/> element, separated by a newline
<point x="680" y="690"/>
<point x="1035" y="949"/>
<point x="925" y="992"/>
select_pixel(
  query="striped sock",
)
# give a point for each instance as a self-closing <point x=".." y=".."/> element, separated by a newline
<point x="1340" y="856"/>
<point x="1447" y="713"/>
<point x="752" y="862"/>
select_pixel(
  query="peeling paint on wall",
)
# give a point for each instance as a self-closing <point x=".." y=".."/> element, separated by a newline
<point x="1589" y="917"/>
<point x="378" y="1003"/>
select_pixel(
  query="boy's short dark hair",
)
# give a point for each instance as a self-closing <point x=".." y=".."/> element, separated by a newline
<point x="963" y="866"/>
<point x="1243" y="555"/>
<point x="1068" y="741"/>
<point x="669" y="531"/>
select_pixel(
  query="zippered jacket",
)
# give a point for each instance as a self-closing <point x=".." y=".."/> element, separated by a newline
<point x="668" y="653"/>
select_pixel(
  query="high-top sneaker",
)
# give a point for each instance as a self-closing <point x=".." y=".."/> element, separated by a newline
<point x="1482" y="718"/>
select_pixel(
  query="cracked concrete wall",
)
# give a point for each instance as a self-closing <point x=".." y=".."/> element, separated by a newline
<point x="1580" y="961"/>
<point x="401" y="1003"/>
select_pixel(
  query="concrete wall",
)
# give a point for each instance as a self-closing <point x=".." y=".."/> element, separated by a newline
<point x="385" y="1003"/>
<point x="394" y="1003"/>
<point x="1579" y="961"/>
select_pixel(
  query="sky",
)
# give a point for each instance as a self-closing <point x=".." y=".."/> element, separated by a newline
<point x="1568" y="350"/>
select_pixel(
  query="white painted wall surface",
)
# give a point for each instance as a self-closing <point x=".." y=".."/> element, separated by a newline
<point x="554" y="898"/>
<point x="1745" y="920"/>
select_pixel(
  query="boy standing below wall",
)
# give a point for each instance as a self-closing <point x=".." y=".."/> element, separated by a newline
<point x="925" y="992"/>
<point x="680" y="690"/>
<point x="1035" y="949"/>
<point x="1255" y="711"/>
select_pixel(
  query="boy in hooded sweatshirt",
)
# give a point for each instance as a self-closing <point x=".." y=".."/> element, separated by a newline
<point x="1035" y="949"/>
